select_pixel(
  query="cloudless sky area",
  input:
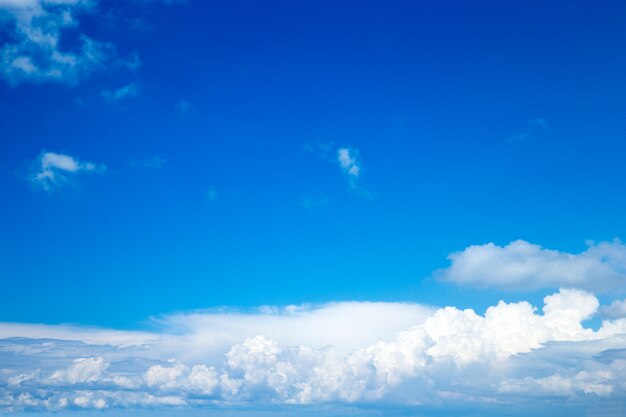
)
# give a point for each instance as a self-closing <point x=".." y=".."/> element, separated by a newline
<point x="473" y="122"/>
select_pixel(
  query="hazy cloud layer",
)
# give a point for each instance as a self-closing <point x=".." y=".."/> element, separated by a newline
<point x="338" y="353"/>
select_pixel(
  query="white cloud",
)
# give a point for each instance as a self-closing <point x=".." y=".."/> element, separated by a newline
<point x="18" y="379"/>
<point x="337" y="353"/>
<point x="524" y="266"/>
<point x="88" y="335"/>
<point x="82" y="370"/>
<point x="87" y="401"/>
<point x="199" y="379"/>
<point x="599" y="383"/>
<point x="34" y="52"/>
<point x="164" y="376"/>
<point x="51" y="170"/>
<point x="128" y="91"/>
<point x="349" y="161"/>
<point x="213" y="333"/>
<point x="616" y="309"/>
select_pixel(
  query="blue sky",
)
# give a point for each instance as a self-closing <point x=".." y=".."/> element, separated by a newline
<point x="163" y="157"/>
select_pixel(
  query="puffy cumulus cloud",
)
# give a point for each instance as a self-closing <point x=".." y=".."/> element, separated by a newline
<point x="51" y="170"/>
<point x="510" y="353"/>
<point x="525" y="266"/>
<point x="34" y="51"/>
<point x="510" y="328"/>
<point x="199" y="378"/>
<point x="82" y="370"/>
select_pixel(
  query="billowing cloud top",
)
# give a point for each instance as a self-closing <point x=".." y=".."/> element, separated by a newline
<point x="524" y="266"/>
<point x="338" y="353"/>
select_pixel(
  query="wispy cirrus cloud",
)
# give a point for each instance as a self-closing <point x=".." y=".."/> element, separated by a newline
<point x="533" y="126"/>
<point x="52" y="170"/>
<point x="152" y="162"/>
<point x="521" y="265"/>
<point x="128" y="91"/>
<point x="342" y="353"/>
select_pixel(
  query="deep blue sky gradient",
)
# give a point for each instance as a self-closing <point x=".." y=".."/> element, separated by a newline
<point x="431" y="93"/>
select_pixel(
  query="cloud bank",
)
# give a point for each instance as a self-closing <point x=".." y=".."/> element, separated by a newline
<point x="525" y="266"/>
<point x="345" y="353"/>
